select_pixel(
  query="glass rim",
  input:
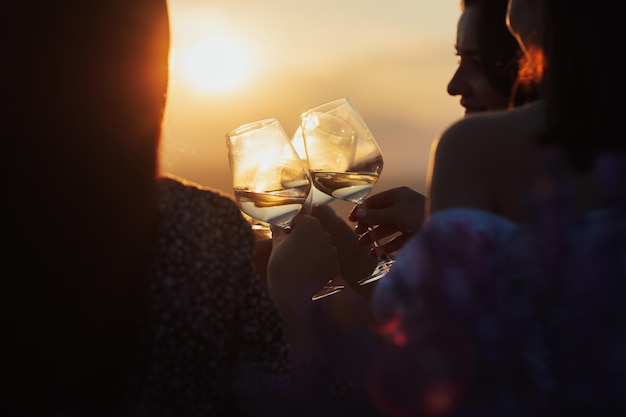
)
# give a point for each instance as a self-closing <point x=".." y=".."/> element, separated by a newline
<point x="247" y="127"/>
<point x="329" y="105"/>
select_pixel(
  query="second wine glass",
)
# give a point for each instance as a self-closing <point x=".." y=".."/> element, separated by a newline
<point x="316" y="198"/>
<point x="344" y="159"/>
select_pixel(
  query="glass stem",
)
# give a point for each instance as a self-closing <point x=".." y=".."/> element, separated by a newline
<point x="379" y="250"/>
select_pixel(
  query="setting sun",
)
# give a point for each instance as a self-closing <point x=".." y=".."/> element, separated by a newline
<point x="212" y="64"/>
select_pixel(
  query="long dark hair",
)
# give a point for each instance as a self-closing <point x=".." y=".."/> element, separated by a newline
<point x="584" y="79"/>
<point x="84" y="91"/>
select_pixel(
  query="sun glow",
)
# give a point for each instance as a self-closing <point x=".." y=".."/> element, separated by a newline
<point x="213" y="63"/>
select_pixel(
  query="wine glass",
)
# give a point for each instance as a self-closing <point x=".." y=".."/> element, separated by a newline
<point x="344" y="160"/>
<point x="316" y="198"/>
<point x="270" y="182"/>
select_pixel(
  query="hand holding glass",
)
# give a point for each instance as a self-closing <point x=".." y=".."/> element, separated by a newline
<point x="316" y="198"/>
<point x="344" y="159"/>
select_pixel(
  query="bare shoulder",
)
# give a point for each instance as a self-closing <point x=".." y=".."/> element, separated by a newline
<point x="486" y="135"/>
<point x="468" y="157"/>
<point x="484" y="128"/>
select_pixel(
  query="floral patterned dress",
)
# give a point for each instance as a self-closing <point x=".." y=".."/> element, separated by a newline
<point x="215" y="336"/>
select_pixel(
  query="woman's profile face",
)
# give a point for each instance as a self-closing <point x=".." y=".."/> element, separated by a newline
<point x="470" y="81"/>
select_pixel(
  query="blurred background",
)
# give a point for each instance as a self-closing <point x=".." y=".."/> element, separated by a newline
<point x="242" y="60"/>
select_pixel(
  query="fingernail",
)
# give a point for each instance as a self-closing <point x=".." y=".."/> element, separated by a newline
<point x="360" y="214"/>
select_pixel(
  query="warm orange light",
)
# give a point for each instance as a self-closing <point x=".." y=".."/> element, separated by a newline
<point x="212" y="64"/>
<point x="531" y="68"/>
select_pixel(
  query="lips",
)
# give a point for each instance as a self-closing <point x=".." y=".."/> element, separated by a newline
<point x="470" y="109"/>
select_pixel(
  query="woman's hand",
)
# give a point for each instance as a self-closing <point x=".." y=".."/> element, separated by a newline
<point x="393" y="214"/>
<point x="354" y="260"/>
<point x="301" y="262"/>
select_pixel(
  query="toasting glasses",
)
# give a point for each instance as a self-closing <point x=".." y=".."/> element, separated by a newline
<point x="270" y="181"/>
<point x="344" y="160"/>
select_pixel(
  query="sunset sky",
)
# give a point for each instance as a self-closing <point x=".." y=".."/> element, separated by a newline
<point x="242" y="60"/>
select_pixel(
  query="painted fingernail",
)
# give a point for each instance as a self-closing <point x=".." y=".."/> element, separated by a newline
<point x="360" y="214"/>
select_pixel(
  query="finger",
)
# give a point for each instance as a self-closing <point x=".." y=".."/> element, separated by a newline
<point x="383" y="229"/>
<point x="401" y="207"/>
<point x="376" y="216"/>
<point x="361" y="228"/>
<point x="395" y="244"/>
<point x="304" y="221"/>
<point x="323" y="212"/>
<point x="391" y="245"/>
<point x="378" y="201"/>
<point x="312" y="228"/>
<point x="379" y="233"/>
<point x="278" y="234"/>
<point x="383" y="199"/>
<point x="327" y="217"/>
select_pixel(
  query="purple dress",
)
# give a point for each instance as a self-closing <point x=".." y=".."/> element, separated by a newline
<point x="489" y="318"/>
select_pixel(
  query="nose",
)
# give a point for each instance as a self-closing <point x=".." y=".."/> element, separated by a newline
<point x="458" y="86"/>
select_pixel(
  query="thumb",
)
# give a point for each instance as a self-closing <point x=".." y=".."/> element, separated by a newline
<point x="278" y="234"/>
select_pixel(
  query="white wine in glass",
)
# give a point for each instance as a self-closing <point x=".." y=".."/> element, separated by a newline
<point x="344" y="159"/>
<point x="270" y="182"/>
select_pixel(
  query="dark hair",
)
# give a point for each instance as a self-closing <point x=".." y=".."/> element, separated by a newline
<point x="84" y="98"/>
<point x="584" y="79"/>
<point x="499" y="51"/>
